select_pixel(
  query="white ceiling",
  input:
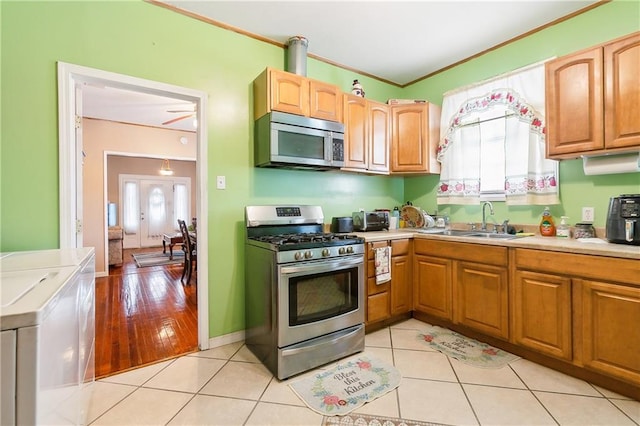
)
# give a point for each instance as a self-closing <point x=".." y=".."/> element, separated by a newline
<point x="126" y="106"/>
<point x="395" y="41"/>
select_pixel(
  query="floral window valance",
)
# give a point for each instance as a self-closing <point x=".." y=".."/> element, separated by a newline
<point x="530" y="178"/>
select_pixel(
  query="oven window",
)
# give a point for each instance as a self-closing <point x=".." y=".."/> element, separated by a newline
<point x="322" y="296"/>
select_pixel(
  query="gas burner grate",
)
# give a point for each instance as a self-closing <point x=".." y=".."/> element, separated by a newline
<point x="286" y="239"/>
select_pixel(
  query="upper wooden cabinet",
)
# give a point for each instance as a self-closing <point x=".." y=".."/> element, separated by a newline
<point x="367" y="134"/>
<point x="593" y="100"/>
<point x="415" y="129"/>
<point x="276" y="90"/>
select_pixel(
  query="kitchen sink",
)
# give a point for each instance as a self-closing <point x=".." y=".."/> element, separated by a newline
<point x="474" y="234"/>
<point x="491" y="235"/>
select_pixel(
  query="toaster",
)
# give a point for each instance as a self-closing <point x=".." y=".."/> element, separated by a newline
<point x="623" y="219"/>
<point x="370" y="221"/>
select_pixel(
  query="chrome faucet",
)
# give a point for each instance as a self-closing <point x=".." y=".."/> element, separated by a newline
<point x="484" y="216"/>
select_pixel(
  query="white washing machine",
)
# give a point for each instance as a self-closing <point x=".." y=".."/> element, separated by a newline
<point x="47" y="336"/>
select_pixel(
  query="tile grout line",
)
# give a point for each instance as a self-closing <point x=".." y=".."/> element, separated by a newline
<point x="534" y="395"/>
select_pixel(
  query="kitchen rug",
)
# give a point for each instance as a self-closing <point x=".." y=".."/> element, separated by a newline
<point x="157" y="258"/>
<point x="465" y="349"/>
<point x="347" y="386"/>
<point x="363" y="420"/>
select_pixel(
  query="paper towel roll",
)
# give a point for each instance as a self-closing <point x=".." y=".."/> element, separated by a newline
<point x="611" y="164"/>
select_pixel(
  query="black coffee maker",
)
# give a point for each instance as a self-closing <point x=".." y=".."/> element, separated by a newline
<point x="623" y="219"/>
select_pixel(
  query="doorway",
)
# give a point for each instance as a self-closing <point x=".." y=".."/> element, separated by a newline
<point x="71" y="79"/>
<point x="151" y="207"/>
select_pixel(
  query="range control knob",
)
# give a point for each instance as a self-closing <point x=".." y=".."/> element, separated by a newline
<point x="349" y="249"/>
<point x="325" y="252"/>
<point x="341" y="250"/>
<point x="308" y="254"/>
<point x="299" y="256"/>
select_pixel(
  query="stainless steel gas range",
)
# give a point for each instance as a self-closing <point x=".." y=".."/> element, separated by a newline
<point x="304" y="289"/>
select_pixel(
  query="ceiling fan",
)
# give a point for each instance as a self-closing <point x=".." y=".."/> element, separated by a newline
<point x="190" y="113"/>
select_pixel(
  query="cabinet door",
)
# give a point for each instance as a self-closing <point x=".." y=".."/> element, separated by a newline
<point x="542" y="313"/>
<point x="409" y="140"/>
<point x="379" y="136"/>
<point x="401" y="277"/>
<point x="610" y="318"/>
<point x="433" y="290"/>
<point x="289" y="92"/>
<point x="574" y="103"/>
<point x="481" y="298"/>
<point x="622" y="93"/>
<point x="325" y="101"/>
<point x="372" y="287"/>
<point x="355" y="132"/>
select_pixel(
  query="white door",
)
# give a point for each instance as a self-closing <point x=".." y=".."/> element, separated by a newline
<point x="151" y="206"/>
<point x="156" y="211"/>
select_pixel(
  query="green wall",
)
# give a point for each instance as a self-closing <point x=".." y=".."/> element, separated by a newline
<point x="147" y="41"/>
<point x="599" y="25"/>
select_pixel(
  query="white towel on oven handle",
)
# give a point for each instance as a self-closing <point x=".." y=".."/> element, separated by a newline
<point x="383" y="265"/>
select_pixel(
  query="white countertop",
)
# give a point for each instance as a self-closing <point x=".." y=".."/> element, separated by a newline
<point x="590" y="246"/>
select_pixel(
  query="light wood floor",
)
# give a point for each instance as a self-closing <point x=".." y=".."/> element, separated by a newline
<point x="143" y="315"/>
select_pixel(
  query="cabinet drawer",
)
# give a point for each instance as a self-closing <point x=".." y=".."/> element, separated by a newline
<point x="400" y="247"/>
<point x="579" y="265"/>
<point x="373" y="288"/>
<point x="481" y="253"/>
<point x="371" y="253"/>
<point x="378" y="307"/>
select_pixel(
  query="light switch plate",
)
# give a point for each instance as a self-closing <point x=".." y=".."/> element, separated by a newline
<point x="221" y="182"/>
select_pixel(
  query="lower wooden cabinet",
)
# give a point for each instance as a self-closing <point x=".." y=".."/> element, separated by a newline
<point x="432" y="293"/>
<point x="579" y="308"/>
<point x="481" y="298"/>
<point x="459" y="283"/>
<point x="610" y="319"/>
<point x="542" y="313"/>
<point x="393" y="297"/>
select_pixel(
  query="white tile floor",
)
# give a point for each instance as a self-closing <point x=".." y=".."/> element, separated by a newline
<point x="228" y="386"/>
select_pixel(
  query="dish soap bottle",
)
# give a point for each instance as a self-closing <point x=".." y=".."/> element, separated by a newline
<point x="547" y="227"/>
<point x="563" y="230"/>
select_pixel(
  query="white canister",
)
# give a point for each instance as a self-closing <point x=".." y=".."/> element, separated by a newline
<point x="393" y="222"/>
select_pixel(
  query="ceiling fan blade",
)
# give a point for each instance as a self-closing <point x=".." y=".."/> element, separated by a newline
<point x="173" y="120"/>
<point x="180" y="110"/>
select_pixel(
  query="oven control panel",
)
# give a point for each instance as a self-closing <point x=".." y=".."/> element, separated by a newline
<point x="288" y="211"/>
<point x="320" y="253"/>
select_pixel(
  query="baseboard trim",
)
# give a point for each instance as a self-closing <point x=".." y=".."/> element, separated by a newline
<point x="237" y="336"/>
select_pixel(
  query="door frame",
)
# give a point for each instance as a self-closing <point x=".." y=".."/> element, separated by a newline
<point x="71" y="75"/>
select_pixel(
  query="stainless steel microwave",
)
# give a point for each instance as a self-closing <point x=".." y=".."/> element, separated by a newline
<point x="294" y="141"/>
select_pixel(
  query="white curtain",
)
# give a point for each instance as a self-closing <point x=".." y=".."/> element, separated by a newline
<point x="181" y="203"/>
<point x="157" y="211"/>
<point x="130" y="203"/>
<point x="529" y="177"/>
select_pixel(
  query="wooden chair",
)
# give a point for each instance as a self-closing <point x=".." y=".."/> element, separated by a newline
<point x="190" y="254"/>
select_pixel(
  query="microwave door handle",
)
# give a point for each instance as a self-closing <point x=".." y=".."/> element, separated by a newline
<point x="629" y="226"/>
<point x="328" y="147"/>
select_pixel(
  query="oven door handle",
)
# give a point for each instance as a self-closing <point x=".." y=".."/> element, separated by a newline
<point x="323" y="266"/>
